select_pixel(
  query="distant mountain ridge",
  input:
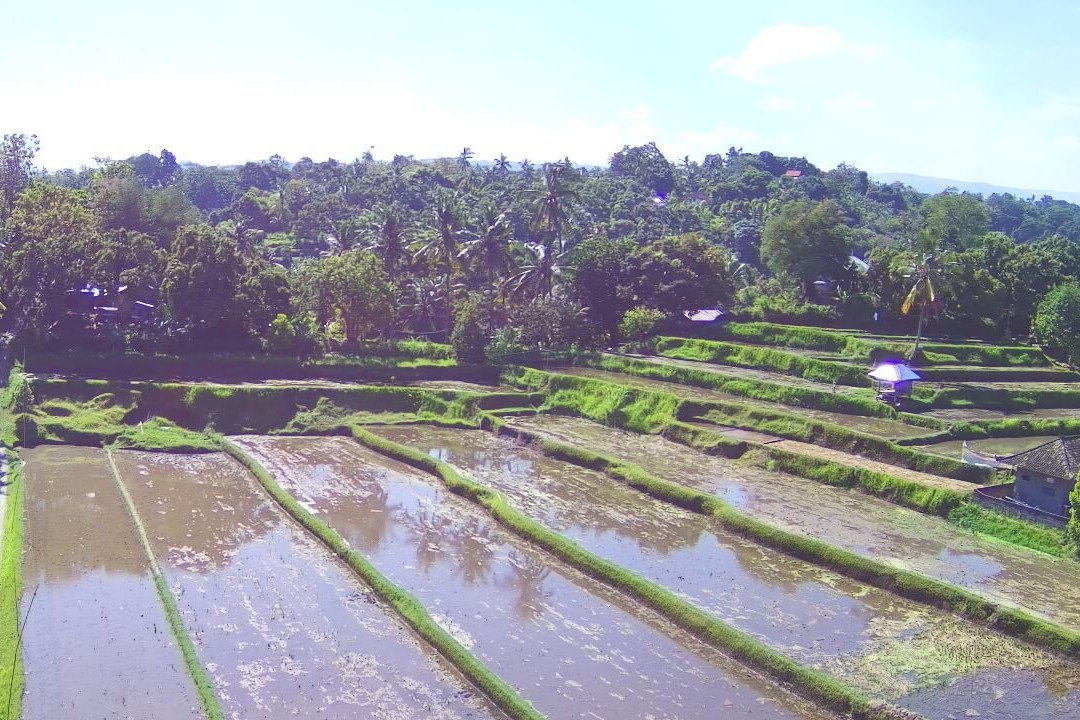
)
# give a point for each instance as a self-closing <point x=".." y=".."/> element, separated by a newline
<point x="934" y="185"/>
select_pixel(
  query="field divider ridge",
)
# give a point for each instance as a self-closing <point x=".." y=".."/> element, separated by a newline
<point x="203" y="685"/>
<point x="811" y="684"/>
<point x="11" y="670"/>
<point x="906" y="584"/>
<point x="411" y="610"/>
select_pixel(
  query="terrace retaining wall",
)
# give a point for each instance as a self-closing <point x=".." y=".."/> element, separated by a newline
<point x="995" y="497"/>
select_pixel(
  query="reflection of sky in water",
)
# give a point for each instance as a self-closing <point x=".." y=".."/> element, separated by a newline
<point x="767" y="594"/>
<point x="999" y="695"/>
<point x="559" y="638"/>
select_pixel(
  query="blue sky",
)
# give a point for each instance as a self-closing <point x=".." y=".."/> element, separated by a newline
<point x="971" y="90"/>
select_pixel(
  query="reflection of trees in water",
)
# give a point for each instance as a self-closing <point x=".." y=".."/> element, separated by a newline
<point x="437" y="534"/>
<point x="211" y="507"/>
<point x="528" y="573"/>
<point x="368" y="518"/>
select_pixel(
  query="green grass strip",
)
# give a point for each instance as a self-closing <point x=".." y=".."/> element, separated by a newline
<point x="11" y="683"/>
<point x="203" y="686"/>
<point x="761" y="358"/>
<point x="410" y="609"/>
<point x="810" y="683"/>
<point x="904" y="583"/>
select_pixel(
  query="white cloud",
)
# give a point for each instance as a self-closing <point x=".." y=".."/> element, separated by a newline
<point x="787" y="44"/>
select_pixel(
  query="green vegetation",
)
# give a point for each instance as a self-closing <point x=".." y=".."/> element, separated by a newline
<point x="651" y="412"/>
<point x="749" y="356"/>
<point x="1057" y="321"/>
<point x="408" y="607"/>
<point x="810" y="683"/>
<point x="867" y="347"/>
<point x="901" y="582"/>
<point x="11" y="671"/>
<point x="203" y="687"/>
<point x="1012" y="530"/>
<point x="857" y="402"/>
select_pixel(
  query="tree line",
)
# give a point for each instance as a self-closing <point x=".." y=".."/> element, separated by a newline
<point x="504" y="255"/>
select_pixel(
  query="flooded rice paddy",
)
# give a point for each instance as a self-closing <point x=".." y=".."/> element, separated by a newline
<point x="97" y="642"/>
<point x="967" y="414"/>
<point x="284" y="629"/>
<point x="875" y="641"/>
<point x="571" y="646"/>
<point x="857" y="522"/>
<point x="988" y="446"/>
<point x="882" y="427"/>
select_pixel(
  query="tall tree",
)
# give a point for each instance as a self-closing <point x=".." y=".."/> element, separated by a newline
<point x="551" y="204"/>
<point x="16" y="168"/>
<point x="807" y="242"/>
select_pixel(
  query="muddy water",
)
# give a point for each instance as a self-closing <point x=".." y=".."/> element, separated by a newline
<point x="812" y="615"/>
<point x="989" y="446"/>
<point x="285" y="629"/>
<point x="964" y="414"/>
<point x="882" y="427"/>
<point x="569" y="645"/>
<point x="97" y="643"/>
<point x="860" y="523"/>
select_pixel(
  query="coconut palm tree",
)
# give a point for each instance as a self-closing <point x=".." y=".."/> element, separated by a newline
<point x="922" y="294"/>
<point x="491" y="246"/>
<point x="538" y="278"/>
<point x="551" y="204"/>
<point x="446" y="233"/>
<point x="390" y="236"/>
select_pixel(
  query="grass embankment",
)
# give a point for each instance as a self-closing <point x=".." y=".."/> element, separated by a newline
<point x="11" y="671"/>
<point x="408" y="607"/>
<point x="186" y="417"/>
<point x="649" y="412"/>
<point x="603" y="401"/>
<point x="857" y="402"/>
<point x="833" y="436"/>
<point x="375" y="365"/>
<point x="810" y="683"/>
<point x="863" y="347"/>
<point x="761" y="358"/>
<point x="901" y="582"/>
<point x="204" y="688"/>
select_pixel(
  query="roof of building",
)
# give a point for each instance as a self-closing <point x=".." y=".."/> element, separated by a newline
<point x="704" y="315"/>
<point x="793" y="173"/>
<point x="1058" y="458"/>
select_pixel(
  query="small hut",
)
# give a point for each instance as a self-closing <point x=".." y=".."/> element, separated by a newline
<point x="893" y="381"/>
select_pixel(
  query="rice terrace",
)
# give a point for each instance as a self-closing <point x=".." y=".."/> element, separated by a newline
<point x="317" y="412"/>
<point x="598" y="534"/>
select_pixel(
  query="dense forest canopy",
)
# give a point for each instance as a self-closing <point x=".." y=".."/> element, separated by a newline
<point x="307" y="255"/>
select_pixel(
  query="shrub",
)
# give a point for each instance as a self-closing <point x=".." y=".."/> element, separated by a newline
<point x="1057" y="321"/>
<point x="282" y="335"/>
<point x="469" y="337"/>
<point x="639" y="323"/>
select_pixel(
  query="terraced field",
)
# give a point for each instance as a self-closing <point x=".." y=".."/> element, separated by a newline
<point x="579" y="542"/>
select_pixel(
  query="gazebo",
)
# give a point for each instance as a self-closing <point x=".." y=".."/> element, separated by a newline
<point x="892" y="381"/>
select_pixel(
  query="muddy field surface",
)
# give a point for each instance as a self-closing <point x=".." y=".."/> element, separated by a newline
<point x="572" y="647"/>
<point x="815" y="616"/>
<point x="97" y="643"/>
<point x="882" y="427"/>
<point x="989" y="446"/>
<point x="863" y="524"/>
<point x="966" y="414"/>
<point x="284" y="629"/>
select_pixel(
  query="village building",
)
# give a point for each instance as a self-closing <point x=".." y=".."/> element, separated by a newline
<point x="1046" y="474"/>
